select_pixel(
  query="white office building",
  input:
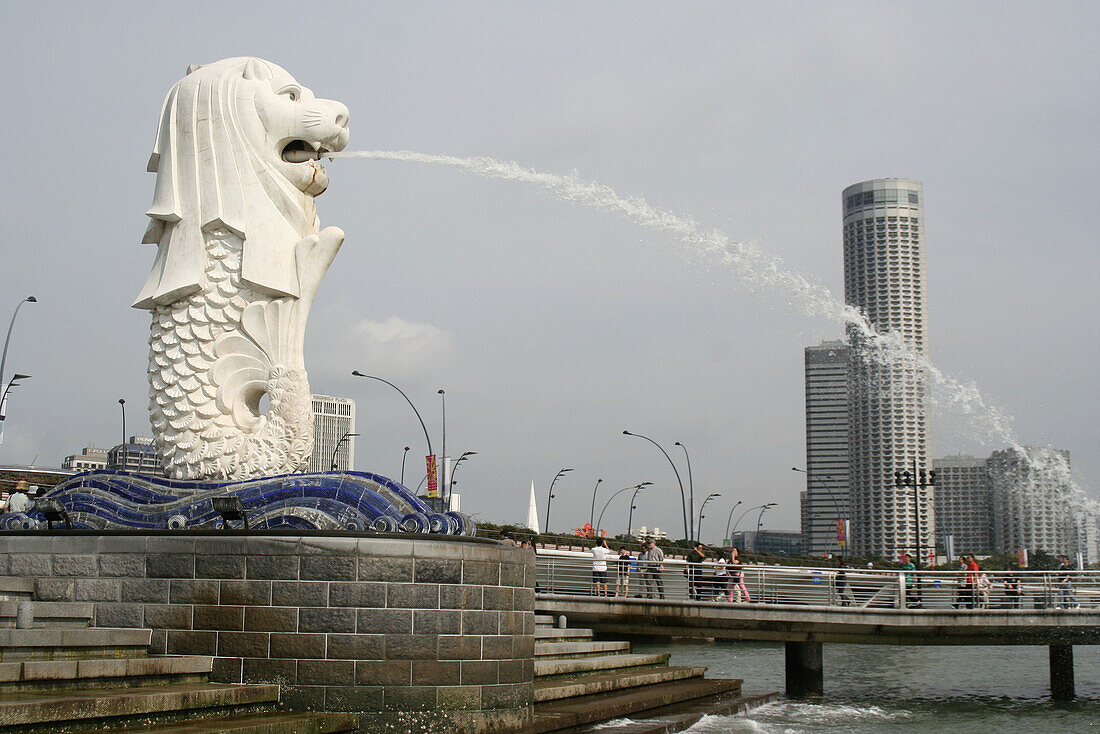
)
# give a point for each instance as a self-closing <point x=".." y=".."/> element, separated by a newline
<point x="333" y="419"/>
<point x="964" y="503"/>
<point x="825" y="499"/>
<point x="884" y="276"/>
<point x="1035" y="505"/>
<point x="89" y="459"/>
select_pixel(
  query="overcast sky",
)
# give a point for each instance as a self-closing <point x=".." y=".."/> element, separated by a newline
<point x="553" y="328"/>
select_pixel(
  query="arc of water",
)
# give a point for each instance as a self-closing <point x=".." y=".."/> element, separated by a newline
<point x="756" y="269"/>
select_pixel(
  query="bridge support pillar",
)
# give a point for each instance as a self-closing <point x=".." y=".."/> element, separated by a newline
<point x="805" y="676"/>
<point x="1061" y="673"/>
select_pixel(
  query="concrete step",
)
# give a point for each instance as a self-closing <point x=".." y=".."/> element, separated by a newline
<point x="16" y="589"/>
<point x="552" y="689"/>
<point x="573" y="666"/>
<point x="53" y="675"/>
<point x="553" y="634"/>
<point x="49" y="614"/>
<point x="546" y="620"/>
<point x="278" y="723"/>
<point x="574" y="712"/>
<point x="68" y="644"/>
<point x="100" y="708"/>
<point x="559" y="650"/>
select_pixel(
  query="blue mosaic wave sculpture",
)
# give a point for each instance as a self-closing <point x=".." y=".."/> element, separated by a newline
<point x="338" y="500"/>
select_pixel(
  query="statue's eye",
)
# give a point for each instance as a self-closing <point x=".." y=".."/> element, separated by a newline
<point x="293" y="92"/>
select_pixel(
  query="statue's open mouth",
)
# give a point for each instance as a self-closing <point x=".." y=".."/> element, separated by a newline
<point x="301" y="151"/>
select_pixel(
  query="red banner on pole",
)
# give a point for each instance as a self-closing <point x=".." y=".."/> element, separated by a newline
<point x="433" y="482"/>
<point x="840" y="536"/>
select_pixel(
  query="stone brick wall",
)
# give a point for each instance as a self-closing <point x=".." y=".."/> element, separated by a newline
<point x="407" y="630"/>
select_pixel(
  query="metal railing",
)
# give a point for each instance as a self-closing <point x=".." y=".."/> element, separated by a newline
<point x="562" y="572"/>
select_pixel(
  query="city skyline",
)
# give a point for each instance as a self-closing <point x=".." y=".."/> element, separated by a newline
<point x="553" y="328"/>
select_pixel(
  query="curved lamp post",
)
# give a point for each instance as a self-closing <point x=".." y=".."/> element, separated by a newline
<point x="4" y="357"/>
<point x="630" y="515"/>
<point x="832" y="497"/>
<point x="691" y="494"/>
<point x="345" y="437"/>
<point x="699" y="525"/>
<point x="759" y="520"/>
<point x="443" y="451"/>
<point x="683" y="499"/>
<point x="13" y="382"/>
<point x="599" y="520"/>
<point x="727" y="536"/>
<point x="454" y="467"/>
<point x="740" y="517"/>
<point x="403" y="455"/>
<point x="592" y="511"/>
<point x="427" y="438"/>
<point x="550" y="496"/>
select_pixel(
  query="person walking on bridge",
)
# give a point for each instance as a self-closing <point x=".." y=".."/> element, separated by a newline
<point x="652" y="581"/>
<point x="600" y="552"/>
<point x="737" y="578"/>
<point x="1067" y="599"/>
<point x="694" y="571"/>
<point x="972" y="570"/>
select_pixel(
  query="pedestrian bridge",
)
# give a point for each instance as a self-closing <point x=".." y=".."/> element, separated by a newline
<point x="808" y="607"/>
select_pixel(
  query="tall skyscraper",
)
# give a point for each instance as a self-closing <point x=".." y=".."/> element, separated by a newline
<point x="964" y="503"/>
<point x="884" y="275"/>
<point x="332" y="419"/>
<point x="826" y="497"/>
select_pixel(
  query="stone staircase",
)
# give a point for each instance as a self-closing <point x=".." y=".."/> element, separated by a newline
<point x="581" y="681"/>
<point x="61" y="675"/>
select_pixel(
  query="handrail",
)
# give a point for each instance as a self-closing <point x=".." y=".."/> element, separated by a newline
<point x="571" y="573"/>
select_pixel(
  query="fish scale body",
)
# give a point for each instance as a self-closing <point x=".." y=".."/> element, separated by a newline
<point x="195" y="438"/>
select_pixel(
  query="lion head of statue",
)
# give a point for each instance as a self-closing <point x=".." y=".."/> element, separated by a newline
<point x="238" y="148"/>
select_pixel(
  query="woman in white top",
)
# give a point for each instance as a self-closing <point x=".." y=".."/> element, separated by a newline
<point x="600" y="552"/>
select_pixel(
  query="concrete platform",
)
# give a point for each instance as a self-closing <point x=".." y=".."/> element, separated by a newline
<point x="572" y="666"/>
<point x="49" y="675"/>
<point x="579" y="649"/>
<point x="552" y="689"/>
<point x="52" y="644"/>
<point x="50" y="614"/>
<point x="314" y="723"/>
<point x="15" y="588"/>
<point x="553" y="634"/>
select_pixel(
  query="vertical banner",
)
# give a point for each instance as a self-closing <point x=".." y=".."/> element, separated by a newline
<point x="949" y="549"/>
<point x="1021" y="557"/>
<point x="433" y="481"/>
<point x="841" y="531"/>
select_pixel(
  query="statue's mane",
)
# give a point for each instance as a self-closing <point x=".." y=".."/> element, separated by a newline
<point x="209" y="176"/>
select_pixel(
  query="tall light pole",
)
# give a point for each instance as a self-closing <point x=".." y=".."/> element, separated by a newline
<point x="699" y="525"/>
<point x="727" y="536"/>
<point x="345" y="437"/>
<point x="630" y="516"/>
<point x="683" y="499"/>
<point x="403" y="455"/>
<point x="741" y="517"/>
<point x="918" y="480"/>
<point x="836" y="504"/>
<point x="430" y="458"/>
<point x="443" y="451"/>
<point x="691" y="492"/>
<point x="599" y="520"/>
<point x="550" y="496"/>
<point x="451" y="482"/>
<point x="759" y="520"/>
<point x="4" y="357"/>
<point x="125" y="453"/>
<point x="13" y="382"/>
<point x="592" y="512"/>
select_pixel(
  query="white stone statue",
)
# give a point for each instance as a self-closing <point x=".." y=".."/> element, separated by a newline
<point x="239" y="260"/>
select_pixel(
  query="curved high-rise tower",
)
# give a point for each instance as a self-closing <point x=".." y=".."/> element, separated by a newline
<point x="884" y="275"/>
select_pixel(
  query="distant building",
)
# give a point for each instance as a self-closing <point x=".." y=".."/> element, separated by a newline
<point x="89" y="459"/>
<point x="884" y="276"/>
<point x="333" y="418"/>
<point x="644" y="533"/>
<point x="964" y="503"/>
<point x="1034" y="502"/>
<point x="772" y="542"/>
<point x="138" y="454"/>
<point x="825" y="499"/>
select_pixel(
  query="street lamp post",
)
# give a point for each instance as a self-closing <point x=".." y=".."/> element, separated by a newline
<point x="836" y="504"/>
<point x="599" y="520"/>
<point x="403" y="455"/>
<point x="691" y="491"/>
<point x="429" y="459"/>
<point x="592" y="512"/>
<point x="741" y="517"/>
<point x="683" y="499"/>
<point x="699" y="525"/>
<point x="443" y="450"/>
<point x="630" y="515"/>
<point x="13" y="382"/>
<point x="550" y="496"/>
<point x="918" y="480"/>
<point x="728" y="537"/>
<point x="4" y="356"/>
<point x="454" y="468"/>
<point x="125" y="453"/>
<point x="759" y="521"/>
<point x="345" y="437"/>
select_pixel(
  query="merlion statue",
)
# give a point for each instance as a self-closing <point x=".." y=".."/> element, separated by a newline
<point x="239" y="259"/>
